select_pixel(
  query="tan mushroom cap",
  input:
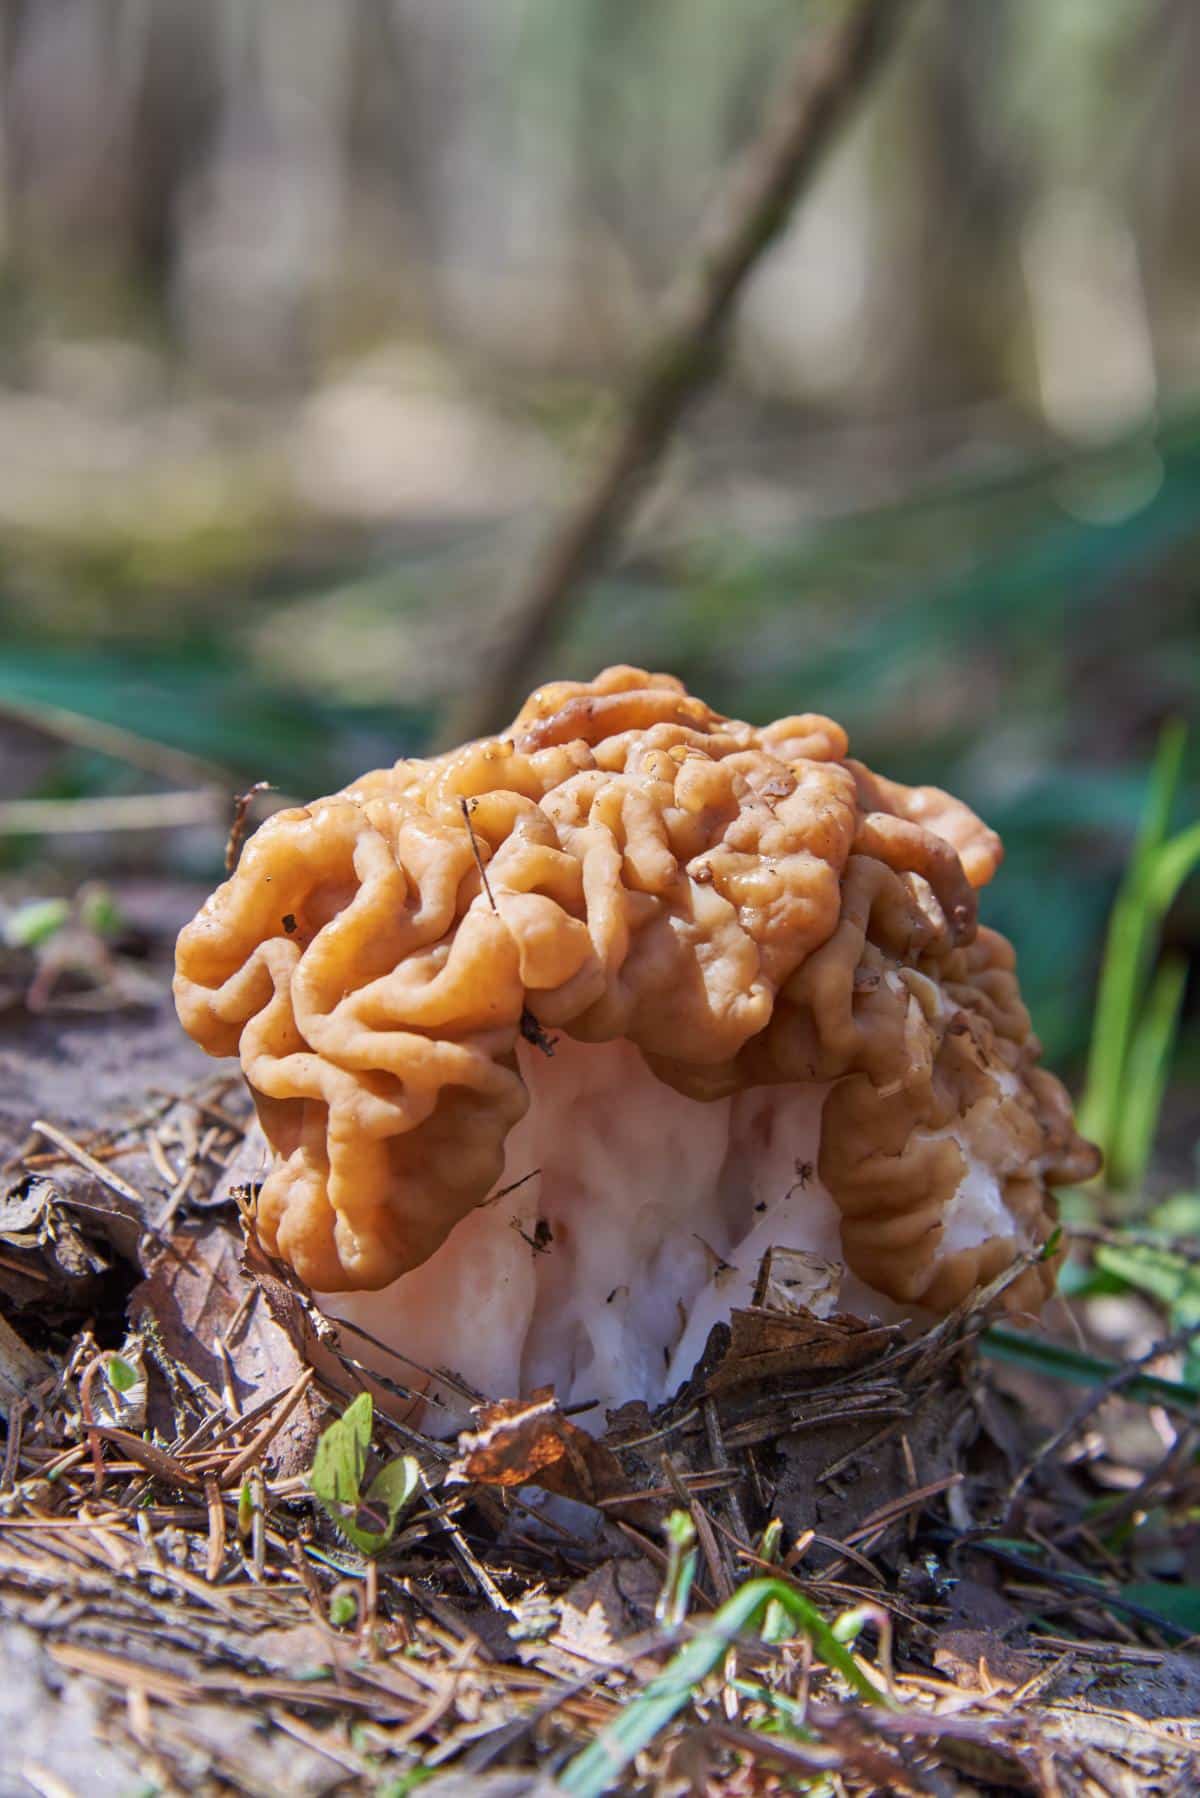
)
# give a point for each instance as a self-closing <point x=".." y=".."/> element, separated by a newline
<point x="748" y="907"/>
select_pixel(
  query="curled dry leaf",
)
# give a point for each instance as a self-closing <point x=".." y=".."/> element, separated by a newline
<point x="47" y="1261"/>
<point x="529" y="1442"/>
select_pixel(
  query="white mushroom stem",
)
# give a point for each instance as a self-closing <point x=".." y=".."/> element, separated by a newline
<point x="639" y="1222"/>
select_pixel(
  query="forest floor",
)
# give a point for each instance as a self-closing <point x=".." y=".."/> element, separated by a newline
<point x="1007" y="1560"/>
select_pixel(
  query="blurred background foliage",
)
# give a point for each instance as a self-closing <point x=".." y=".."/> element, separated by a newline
<point x="309" y="313"/>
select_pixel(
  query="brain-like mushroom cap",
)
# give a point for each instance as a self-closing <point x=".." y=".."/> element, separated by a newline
<point x="749" y="907"/>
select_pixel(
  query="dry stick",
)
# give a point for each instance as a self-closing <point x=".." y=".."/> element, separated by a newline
<point x="1115" y="1383"/>
<point x="75" y="1152"/>
<point x="819" y="93"/>
<point x="122" y="811"/>
<point x="466" y="812"/>
<point x="237" y="829"/>
<point x="250" y="1454"/>
<point x="115" y="741"/>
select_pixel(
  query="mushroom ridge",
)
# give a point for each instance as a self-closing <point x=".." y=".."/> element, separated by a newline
<point x="748" y="908"/>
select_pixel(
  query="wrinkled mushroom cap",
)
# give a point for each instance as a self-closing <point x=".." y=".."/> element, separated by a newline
<point x="748" y="907"/>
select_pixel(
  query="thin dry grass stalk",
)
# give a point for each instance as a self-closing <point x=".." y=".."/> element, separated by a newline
<point x="199" y="1585"/>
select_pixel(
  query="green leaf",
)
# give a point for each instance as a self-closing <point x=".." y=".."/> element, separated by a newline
<point x="343" y="1609"/>
<point x="1177" y="1216"/>
<point x="1179" y="1605"/>
<point x="1125" y="1082"/>
<point x="672" y="1605"/>
<point x="341" y="1456"/>
<point x="1160" y="795"/>
<point x="1172" y="865"/>
<point x="1165" y="1275"/>
<point x="121" y="1376"/>
<point x="367" y="1520"/>
<point x="388" y="1496"/>
<point x="788" y="1709"/>
<point x="34" y="923"/>
<point x="635" y="1726"/>
<point x="406" y="1782"/>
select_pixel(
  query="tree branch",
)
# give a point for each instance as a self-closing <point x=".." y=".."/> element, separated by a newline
<point x="684" y="352"/>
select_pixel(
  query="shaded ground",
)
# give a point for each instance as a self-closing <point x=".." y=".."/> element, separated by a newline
<point x="170" y="1590"/>
<point x="88" y="1070"/>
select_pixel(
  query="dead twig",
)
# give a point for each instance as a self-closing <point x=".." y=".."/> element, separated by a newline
<point x="75" y="1152"/>
<point x="1116" y="1382"/>
<point x="825" y="82"/>
<point x="254" y="1450"/>
<point x="466" y="812"/>
<point x="237" y="828"/>
<point x="114" y="741"/>
<point x="119" y="811"/>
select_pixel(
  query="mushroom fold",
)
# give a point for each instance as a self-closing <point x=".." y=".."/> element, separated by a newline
<point x="771" y="1018"/>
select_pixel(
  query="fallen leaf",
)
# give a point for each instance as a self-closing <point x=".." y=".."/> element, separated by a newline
<point x="769" y="1344"/>
<point x="598" y="1613"/>
<point x="528" y="1442"/>
<point x="48" y="1261"/>
<point x="518" y="1440"/>
<point x="20" y="1369"/>
<point x="198" y="1296"/>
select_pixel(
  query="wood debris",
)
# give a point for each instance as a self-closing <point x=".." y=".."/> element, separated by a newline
<point x="161" y="1552"/>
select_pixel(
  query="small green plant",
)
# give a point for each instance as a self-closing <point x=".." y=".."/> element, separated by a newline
<point x="343" y="1609"/>
<point x="1161" y="1262"/>
<point x="1138" y="1006"/>
<point x="598" y="1768"/>
<point x="34" y="923"/>
<point x="366" y="1519"/>
<point x="121" y="1376"/>
<point x="672" y="1605"/>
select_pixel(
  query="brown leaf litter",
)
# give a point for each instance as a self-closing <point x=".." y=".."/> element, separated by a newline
<point x="168" y="1586"/>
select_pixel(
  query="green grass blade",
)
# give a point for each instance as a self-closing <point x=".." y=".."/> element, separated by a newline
<point x="602" y="1762"/>
<point x="1121" y="975"/>
<point x="1171" y="866"/>
<point x="1146" y="1073"/>
<point x="1178" y="1605"/>
<point x="1156" y="870"/>
<point x="1160" y="795"/>
<point x="1075" y="1368"/>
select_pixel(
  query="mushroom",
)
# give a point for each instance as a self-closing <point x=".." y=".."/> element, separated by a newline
<point x="555" y="1035"/>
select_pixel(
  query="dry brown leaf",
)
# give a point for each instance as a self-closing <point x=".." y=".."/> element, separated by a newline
<point x="200" y="1297"/>
<point x="528" y="1442"/>
<point x="770" y="1344"/>
<point x="596" y="1614"/>
<point x="20" y="1369"/>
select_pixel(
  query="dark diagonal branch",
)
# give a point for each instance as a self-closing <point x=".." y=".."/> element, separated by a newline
<point x="817" y="95"/>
